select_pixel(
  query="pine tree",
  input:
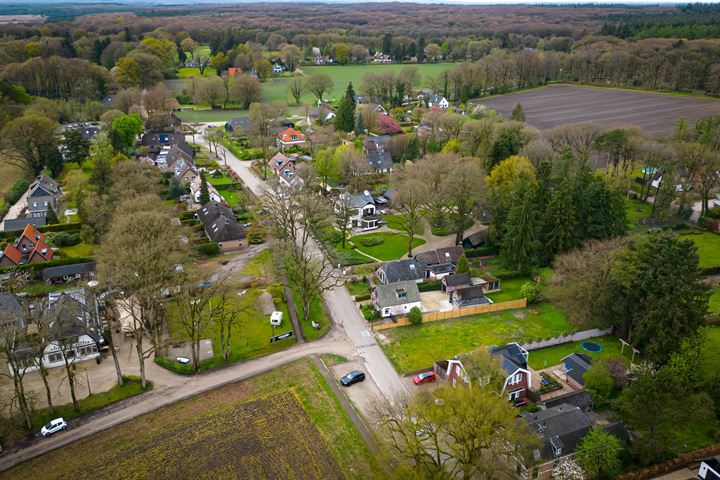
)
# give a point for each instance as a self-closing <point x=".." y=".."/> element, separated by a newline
<point x="412" y="150"/>
<point x="345" y="119"/>
<point x="559" y="230"/>
<point x="51" y="217"/>
<point x="360" y="126"/>
<point x="520" y="242"/>
<point x="518" y="114"/>
<point x="462" y="265"/>
<point x="204" y="191"/>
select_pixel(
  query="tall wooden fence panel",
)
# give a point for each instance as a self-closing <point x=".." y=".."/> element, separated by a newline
<point x="402" y="321"/>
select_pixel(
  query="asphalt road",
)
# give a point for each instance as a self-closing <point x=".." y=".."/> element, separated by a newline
<point x="343" y="310"/>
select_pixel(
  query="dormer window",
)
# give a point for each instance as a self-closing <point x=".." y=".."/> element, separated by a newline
<point x="401" y="293"/>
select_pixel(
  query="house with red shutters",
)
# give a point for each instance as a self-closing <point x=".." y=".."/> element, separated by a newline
<point x="30" y="247"/>
<point x="513" y="361"/>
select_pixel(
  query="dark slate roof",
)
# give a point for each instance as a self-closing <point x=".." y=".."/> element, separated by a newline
<point x="77" y="314"/>
<point x="713" y="472"/>
<point x="225" y="229"/>
<point x="576" y="364"/>
<point x="440" y="256"/>
<point x="238" y="123"/>
<point x="44" y="186"/>
<point x="618" y="430"/>
<point x="359" y="200"/>
<point x="456" y="280"/>
<point x="436" y="99"/>
<point x="403" y="270"/>
<point x="380" y="160"/>
<point x="87" y="131"/>
<point x="63" y="270"/>
<point x="10" y="305"/>
<point x="375" y="143"/>
<point x="469" y="296"/>
<point x="511" y="356"/>
<point x="475" y="240"/>
<point x="159" y="139"/>
<point x="579" y="398"/>
<point x="391" y="294"/>
<point x="390" y="194"/>
<point x="211" y="211"/>
<point x="563" y="426"/>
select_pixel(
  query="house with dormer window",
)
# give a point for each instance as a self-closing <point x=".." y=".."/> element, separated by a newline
<point x="396" y="298"/>
<point x="30" y="247"/>
<point x="290" y="138"/>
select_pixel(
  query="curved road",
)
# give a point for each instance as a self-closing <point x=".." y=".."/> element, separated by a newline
<point x="354" y="338"/>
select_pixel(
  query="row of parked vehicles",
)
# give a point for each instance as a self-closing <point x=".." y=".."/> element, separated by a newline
<point x="357" y="376"/>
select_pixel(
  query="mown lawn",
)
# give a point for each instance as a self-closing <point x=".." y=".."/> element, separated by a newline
<point x="317" y="313"/>
<point x="714" y="303"/>
<point x="202" y="116"/>
<point x="547" y="357"/>
<point x="509" y="290"/>
<point x="394" y="245"/>
<point x="250" y="335"/>
<point x="82" y="249"/>
<point x="635" y="210"/>
<point x="412" y="348"/>
<point x="708" y="245"/>
<point x="195" y="72"/>
<point x="395" y="223"/>
<point x="92" y="402"/>
<point x="170" y="426"/>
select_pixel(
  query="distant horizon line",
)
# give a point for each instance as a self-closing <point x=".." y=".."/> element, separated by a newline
<point x="169" y="3"/>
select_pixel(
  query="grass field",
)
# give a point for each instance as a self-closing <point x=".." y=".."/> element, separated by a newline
<point x="635" y="211"/>
<point x="82" y="249"/>
<point x="250" y="336"/>
<point x="547" y="357"/>
<point x="195" y="72"/>
<point x="708" y="245"/>
<point x="714" y="303"/>
<point x="282" y="424"/>
<point x="395" y="223"/>
<point x="202" y="116"/>
<point x="412" y="348"/>
<point x="275" y="89"/>
<point x="394" y="245"/>
<point x="509" y="290"/>
<point x="317" y="314"/>
<point x="555" y="105"/>
<point x="9" y="174"/>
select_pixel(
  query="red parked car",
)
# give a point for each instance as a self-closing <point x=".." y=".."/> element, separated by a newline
<point x="425" y="377"/>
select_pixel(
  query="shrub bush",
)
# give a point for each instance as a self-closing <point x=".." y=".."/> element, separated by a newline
<point x="480" y="252"/>
<point x="703" y="222"/>
<point x="369" y="313"/>
<point x="415" y="316"/>
<point x="430" y="286"/>
<point x="174" y="366"/>
<point x="371" y="241"/>
<point x="209" y="249"/>
<point x="16" y="191"/>
<point x="362" y="297"/>
<point x="65" y="239"/>
<point x="531" y="291"/>
<point x="714" y="213"/>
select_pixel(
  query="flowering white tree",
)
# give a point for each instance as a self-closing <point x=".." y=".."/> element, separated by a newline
<point x="568" y="469"/>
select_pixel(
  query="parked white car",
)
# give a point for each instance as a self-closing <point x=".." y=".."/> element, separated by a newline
<point x="53" y="426"/>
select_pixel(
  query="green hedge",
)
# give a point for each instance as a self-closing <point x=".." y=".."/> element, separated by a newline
<point x="174" y="366"/>
<point x="31" y="267"/>
<point x="362" y="297"/>
<point x="480" y="252"/>
<point x="209" y="249"/>
<point x="430" y="286"/>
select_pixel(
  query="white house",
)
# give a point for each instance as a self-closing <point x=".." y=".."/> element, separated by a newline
<point x="396" y="298"/>
<point x="74" y="327"/>
<point x="196" y="186"/>
<point x="364" y="216"/>
<point x="438" y="101"/>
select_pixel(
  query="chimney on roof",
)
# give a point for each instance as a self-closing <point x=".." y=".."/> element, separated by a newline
<point x="367" y="193"/>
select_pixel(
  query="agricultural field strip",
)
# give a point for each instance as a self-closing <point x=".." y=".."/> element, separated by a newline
<point x="272" y="437"/>
<point x="561" y="104"/>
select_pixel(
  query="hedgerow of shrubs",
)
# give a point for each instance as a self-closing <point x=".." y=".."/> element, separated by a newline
<point x="65" y="239"/>
<point x="371" y="241"/>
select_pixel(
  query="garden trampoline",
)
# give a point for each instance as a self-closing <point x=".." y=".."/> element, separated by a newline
<point x="592" y="347"/>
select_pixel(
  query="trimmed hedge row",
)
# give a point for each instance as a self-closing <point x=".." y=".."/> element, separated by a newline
<point x="362" y="297"/>
<point x="31" y="267"/>
<point x="480" y="252"/>
<point x="430" y="286"/>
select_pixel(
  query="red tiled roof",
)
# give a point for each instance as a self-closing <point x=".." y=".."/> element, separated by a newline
<point x="13" y="254"/>
<point x="287" y="134"/>
<point x="232" y="71"/>
<point x="31" y="233"/>
<point x="41" y="246"/>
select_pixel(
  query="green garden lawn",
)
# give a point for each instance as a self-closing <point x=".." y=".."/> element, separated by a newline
<point x="714" y="303"/>
<point x="509" y="290"/>
<point x="394" y="245"/>
<point x="195" y="72"/>
<point x="635" y="211"/>
<point x="317" y="313"/>
<point x="250" y="336"/>
<point x="202" y="116"/>
<point x="82" y="249"/>
<point x="547" y="357"/>
<point x="394" y="222"/>
<point x="413" y="348"/>
<point x="708" y="245"/>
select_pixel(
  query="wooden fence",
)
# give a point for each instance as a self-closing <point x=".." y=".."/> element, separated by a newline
<point x="402" y="321"/>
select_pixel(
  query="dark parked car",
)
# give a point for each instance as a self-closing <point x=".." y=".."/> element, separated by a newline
<point x="352" y="378"/>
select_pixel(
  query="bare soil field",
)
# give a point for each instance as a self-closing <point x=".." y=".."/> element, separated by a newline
<point x="554" y="105"/>
<point x="282" y="424"/>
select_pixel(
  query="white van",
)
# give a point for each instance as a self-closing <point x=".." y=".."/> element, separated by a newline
<point x="276" y="318"/>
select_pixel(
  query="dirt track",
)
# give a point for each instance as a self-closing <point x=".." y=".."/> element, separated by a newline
<point x="556" y="105"/>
